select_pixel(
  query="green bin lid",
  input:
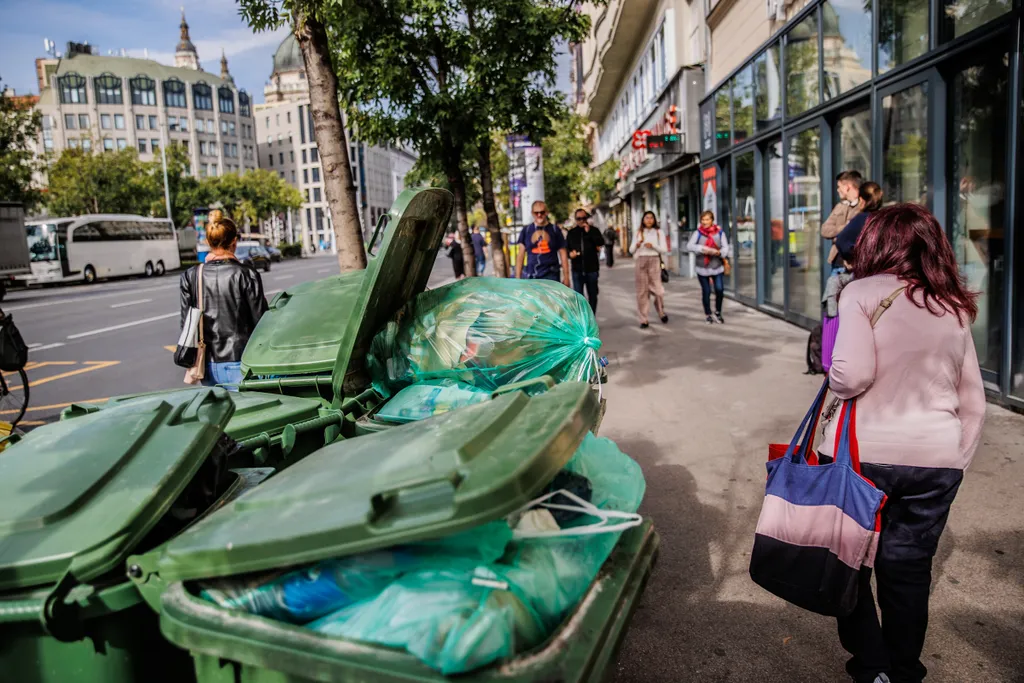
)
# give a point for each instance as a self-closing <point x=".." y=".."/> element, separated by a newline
<point x="421" y="480"/>
<point x="327" y="326"/>
<point x="80" y="494"/>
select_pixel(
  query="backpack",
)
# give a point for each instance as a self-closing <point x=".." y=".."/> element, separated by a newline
<point x="13" y="350"/>
<point x="814" y="364"/>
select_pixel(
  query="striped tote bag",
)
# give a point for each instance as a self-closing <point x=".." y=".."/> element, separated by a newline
<point x="819" y="522"/>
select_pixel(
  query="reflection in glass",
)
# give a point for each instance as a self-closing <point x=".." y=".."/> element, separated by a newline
<point x="962" y="16"/>
<point x="723" y="137"/>
<point x="743" y="105"/>
<point x="724" y="215"/>
<point x="902" y="32"/>
<point x="804" y="164"/>
<point x="1017" y="378"/>
<point x="768" y="103"/>
<point x="802" y="67"/>
<point x="905" y="145"/>
<point x="846" y="43"/>
<point x="745" y="242"/>
<point x="774" y="292"/>
<point x="854" y="148"/>
<point x="979" y="100"/>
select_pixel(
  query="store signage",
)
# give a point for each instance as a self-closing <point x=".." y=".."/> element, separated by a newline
<point x="707" y="126"/>
<point x="670" y="143"/>
<point x="666" y="127"/>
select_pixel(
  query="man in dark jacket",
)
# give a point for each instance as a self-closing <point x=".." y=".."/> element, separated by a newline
<point x="584" y="243"/>
<point x="610" y="238"/>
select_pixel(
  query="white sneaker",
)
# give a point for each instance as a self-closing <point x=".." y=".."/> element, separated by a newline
<point x="882" y="678"/>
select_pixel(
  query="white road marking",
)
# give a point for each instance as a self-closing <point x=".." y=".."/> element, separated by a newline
<point x="130" y="303"/>
<point x="282" y="277"/>
<point x="43" y="347"/>
<point x="123" y="325"/>
<point x="11" y="309"/>
<point x="324" y="270"/>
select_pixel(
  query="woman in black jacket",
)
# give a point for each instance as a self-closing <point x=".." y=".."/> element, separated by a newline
<point x="233" y="302"/>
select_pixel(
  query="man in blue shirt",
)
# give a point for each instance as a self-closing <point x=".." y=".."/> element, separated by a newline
<point x="543" y="249"/>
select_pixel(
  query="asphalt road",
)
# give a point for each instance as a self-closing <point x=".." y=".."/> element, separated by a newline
<point x="91" y="342"/>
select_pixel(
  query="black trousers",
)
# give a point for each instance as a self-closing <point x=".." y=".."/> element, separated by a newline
<point x="707" y="283"/>
<point x="912" y="521"/>
<point x="581" y="280"/>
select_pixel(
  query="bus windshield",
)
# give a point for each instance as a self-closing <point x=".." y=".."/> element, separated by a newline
<point x="42" y="241"/>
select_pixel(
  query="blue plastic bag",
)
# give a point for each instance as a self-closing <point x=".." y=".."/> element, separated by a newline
<point x="426" y="399"/>
<point x="457" y="619"/>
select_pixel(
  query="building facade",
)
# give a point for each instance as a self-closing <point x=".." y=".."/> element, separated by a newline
<point x="286" y="145"/>
<point x="107" y="102"/>
<point x="923" y="97"/>
<point x="640" y="73"/>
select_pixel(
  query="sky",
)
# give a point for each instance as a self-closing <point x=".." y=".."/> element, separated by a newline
<point x="136" y="25"/>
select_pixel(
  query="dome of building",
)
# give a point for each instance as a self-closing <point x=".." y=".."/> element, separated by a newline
<point x="288" y="56"/>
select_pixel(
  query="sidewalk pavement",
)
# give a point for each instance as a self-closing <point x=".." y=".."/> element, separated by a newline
<point x="697" y="405"/>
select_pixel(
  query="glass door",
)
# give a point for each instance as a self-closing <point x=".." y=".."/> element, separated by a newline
<point x="905" y="154"/>
<point x="745" y="242"/>
<point x="803" y="225"/>
<point x="772" y="226"/>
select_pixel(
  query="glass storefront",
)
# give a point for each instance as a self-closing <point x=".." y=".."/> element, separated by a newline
<point x="905" y="145"/>
<point x="979" y="103"/>
<point x="945" y="132"/>
<point x="804" y="224"/>
<point x="745" y="244"/>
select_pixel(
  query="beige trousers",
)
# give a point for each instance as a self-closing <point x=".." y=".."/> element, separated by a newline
<point x="648" y="282"/>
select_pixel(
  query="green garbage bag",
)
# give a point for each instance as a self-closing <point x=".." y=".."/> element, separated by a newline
<point x="305" y="594"/>
<point x="426" y="399"/>
<point x="487" y="332"/>
<point x="459" y="618"/>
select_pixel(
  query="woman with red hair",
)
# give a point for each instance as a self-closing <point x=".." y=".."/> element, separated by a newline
<point x="920" y="409"/>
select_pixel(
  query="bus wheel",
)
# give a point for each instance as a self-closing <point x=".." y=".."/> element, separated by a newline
<point x="90" y="274"/>
<point x="149" y="269"/>
<point x="160" y="269"/>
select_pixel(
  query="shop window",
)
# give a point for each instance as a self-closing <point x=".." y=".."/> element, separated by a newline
<point x="964" y="16"/>
<point x="802" y="67"/>
<point x="853" y="150"/>
<point x="745" y="242"/>
<point x="804" y="174"/>
<point x="723" y="132"/>
<point x="979" y="102"/>
<point x="902" y="32"/>
<point x="905" y="145"/>
<point x="768" y="94"/>
<point x="108" y="89"/>
<point x="774" y="231"/>
<point x="846" y="42"/>
<point x="743" y="105"/>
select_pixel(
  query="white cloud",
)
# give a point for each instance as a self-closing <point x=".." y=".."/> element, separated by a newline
<point x="232" y="41"/>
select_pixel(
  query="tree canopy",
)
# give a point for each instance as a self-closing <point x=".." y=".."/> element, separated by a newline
<point x="19" y="130"/>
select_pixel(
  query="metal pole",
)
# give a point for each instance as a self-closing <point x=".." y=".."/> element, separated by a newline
<point x="163" y="160"/>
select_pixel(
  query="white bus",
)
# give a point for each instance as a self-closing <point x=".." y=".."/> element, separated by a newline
<point x="87" y="248"/>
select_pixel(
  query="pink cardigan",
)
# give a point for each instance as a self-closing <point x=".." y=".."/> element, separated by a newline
<point x="920" y="398"/>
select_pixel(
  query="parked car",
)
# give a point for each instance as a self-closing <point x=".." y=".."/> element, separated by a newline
<point x="275" y="254"/>
<point x="254" y="256"/>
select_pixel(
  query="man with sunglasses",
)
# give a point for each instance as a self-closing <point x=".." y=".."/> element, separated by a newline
<point x="543" y="249"/>
<point x="584" y="244"/>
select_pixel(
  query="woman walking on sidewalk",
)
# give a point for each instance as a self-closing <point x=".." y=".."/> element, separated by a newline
<point x="710" y="243"/>
<point x="649" y="244"/>
<point x="920" y="408"/>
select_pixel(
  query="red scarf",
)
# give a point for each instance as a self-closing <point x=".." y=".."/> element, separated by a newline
<point x="709" y="235"/>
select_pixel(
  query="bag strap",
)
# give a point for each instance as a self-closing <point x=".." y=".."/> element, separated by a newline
<point x="804" y="436"/>
<point x="199" y="292"/>
<point x="885" y="304"/>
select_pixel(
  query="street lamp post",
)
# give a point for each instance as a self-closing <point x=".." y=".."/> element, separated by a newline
<point x="167" y="189"/>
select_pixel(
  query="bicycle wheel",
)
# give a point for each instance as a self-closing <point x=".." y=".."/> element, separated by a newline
<point x="14" y="389"/>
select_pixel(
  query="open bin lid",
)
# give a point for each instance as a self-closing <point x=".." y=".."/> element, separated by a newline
<point x="422" y="480"/>
<point x="77" y="496"/>
<point x="327" y="326"/>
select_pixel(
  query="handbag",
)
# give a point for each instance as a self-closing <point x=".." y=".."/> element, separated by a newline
<point x="190" y="352"/>
<point x="13" y="349"/>
<point x="829" y="330"/>
<point x="819" y="523"/>
<point x="664" y="270"/>
<point x="726" y="266"/>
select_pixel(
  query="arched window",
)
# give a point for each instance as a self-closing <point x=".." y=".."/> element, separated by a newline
<point x="202" y="96"/>
<point x="174" y="93"/>
<point x="72" y="89"/>
<point x="108" y="89"/>
<point x="243" y="103"/>
<point x="226" y="100"/>
<point x="143" y="90"/>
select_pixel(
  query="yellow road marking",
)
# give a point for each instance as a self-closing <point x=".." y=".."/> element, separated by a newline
<point x="90" y="365"/>
<point x="30" y="423"/>
<point x="55" y="406"/>
<point x="36" y="365"/>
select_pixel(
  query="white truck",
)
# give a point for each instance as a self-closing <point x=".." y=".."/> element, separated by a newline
<point x="14" y="256"/>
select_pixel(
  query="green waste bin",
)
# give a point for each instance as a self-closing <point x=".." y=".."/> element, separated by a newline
<point x="76" y="497"/>
<point x="412" y="482"/>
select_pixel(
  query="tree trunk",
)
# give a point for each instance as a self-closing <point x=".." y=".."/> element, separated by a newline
<point x="457" y="183"/>
<point x="498" y="262"/>
<point x="331" y="141"/>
